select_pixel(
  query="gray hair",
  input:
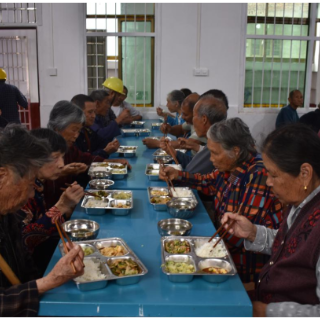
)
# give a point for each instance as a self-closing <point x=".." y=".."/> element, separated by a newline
<point x="63" y="114"/>
<point x="176" y="96"/>
<point x="213" y="108"/>
<point x="99" y="95"/>
<point x="21" y="151"/>
<point x="233" y="133"/>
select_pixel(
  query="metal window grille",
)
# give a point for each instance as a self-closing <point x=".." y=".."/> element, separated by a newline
<point x="14" y="59"/>
<point x="19" y="13"/>
<point x="280" y="52"/>
<point x="120" y="43"/>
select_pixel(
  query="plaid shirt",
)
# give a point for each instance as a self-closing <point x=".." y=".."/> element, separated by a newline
<point x="10" y="98"/>
<point x="23" y="299"/>
<point x="245" y="185"/>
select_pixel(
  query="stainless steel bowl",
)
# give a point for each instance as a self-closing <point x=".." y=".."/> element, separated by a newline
<point x="174" y="227"/>
<point x="103" y="174"/>
<point x="81" y="229"/>
<point x="182" y="209"/>
<point x="100" y="184"/>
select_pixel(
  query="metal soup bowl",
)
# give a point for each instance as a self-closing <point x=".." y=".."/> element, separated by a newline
<point x="182" y="209"/>
<point x="101" y="184"/>
<point x="81" y="229"/>
<point x="174" y="227"/>
<point x="103" y="174"/>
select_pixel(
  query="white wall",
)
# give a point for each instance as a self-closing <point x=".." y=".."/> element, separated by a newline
<point x="176" y="52"/>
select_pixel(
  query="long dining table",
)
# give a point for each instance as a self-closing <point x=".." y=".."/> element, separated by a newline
<point x="154" y="294"/>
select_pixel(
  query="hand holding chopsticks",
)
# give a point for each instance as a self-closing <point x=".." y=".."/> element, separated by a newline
<point x="168" y="181"/>
<point x="65" y="247"/>
<point x="231" y="223"/>
<point x="172" y="152"/>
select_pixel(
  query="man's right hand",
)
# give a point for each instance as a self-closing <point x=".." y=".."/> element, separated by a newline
<point x="151" y="143"/>
<point x="124" y="117"/>
<point x="168" y="173"/>
<point x="73" y="169"/>
<point x="165" y="128"/>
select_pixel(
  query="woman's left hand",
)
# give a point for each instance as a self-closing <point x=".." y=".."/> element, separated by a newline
<point x="259" y="309"/>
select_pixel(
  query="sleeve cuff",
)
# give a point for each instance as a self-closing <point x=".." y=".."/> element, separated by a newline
<point x="259" y="242"/>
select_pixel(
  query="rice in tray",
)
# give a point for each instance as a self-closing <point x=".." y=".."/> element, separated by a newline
<point x="94" y="203"/>
<point x="204" y="249"/>
<point x="92" y="271"/>
<point x="181" y="193"/>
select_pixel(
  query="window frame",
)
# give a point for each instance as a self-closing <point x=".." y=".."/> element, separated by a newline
<point x="311" y="39"/>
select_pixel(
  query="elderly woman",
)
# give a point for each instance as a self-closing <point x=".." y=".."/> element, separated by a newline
<point x="20" y="158"/>
<point x="39" y="233"/>
<point x="238" y="184"/>
<point x="174" y="101"/>
<point x="68" y="119"/>
<point x="289" y="285"/>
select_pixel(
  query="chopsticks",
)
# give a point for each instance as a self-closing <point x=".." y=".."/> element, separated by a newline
<point x="10" y="275"/>
<point x="168" y="181"/>
<point x="171" y="152"/>
<point x="87" y="193"/>
<point x="227" y="230"/>
<point x="165" y="118"/>
<point x="66" y="249"/>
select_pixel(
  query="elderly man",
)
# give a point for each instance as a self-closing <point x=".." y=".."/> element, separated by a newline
<point x="289" y="113"/>
<point x="20" y="159"/>
<point x="89" y="140"/>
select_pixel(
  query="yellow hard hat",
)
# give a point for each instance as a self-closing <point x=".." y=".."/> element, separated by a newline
<point x="3" y="74"/>
<point x="114" y="84"/>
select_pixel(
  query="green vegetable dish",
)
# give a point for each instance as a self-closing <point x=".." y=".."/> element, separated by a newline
<point x="179" y="267"/>
<point x="177" y="246"/>
<point x="124" y="267"/>
<point x="87" y="251"/>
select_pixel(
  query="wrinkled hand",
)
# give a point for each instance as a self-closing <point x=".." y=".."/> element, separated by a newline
<point x="112" y="146"/>
<point x="160" y="112"/>
<point x="73" y="169"/>
<point x="168" y="173"/>
<point x="62" y="271"/>
<point x="124" y="117"/>
<point x="165" y="128"/>
<point x="259" y="309"/>
<point x="242" y="227"/>
<point x="122" y="161"/>
<point x="151" y="143"/>
<point x="70" y="198"/>
<point x="189" y="144"/>
<point x="164" y="145"/>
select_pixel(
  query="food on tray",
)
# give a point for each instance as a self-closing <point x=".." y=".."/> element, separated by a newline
<point x="116" y="166"/>
<point x="118" y="171"/>
<point x="87" y="251"/>
<point x="122" y="195"/>
<point x="204" y="249"/>
<point x="100" y="168"/>
<point x="113" y="251"/>
<point x="181" y="193"/>
<point x="124" y="267"/>
<point x="101" y="194"/>
<point x="156" y="192"/>
<point x="122" y="206"/>
<point x="179" y="267"/>
<point x="215" y="270"/>
<point x="95" y="203"/>
<point x="92" y="271"/>
<point x="101" y="164"/>
<point x="160" y="200"/>
<point x="177" y="246"/>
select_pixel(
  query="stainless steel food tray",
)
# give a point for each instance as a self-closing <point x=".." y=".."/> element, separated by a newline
<point x="135" y="132"/>
<point x="107" y="242"/>
<point x="156" y="126"/>
<point x="137" y="124"/>
<point x="108" y="204"/>
<point x="127" y="151"/>
<point x="158" y="138"/>
<point x="198" y="262"/>
<point x="163" y="207"/>
<point x="108" y="166"/>
<point x="152" y="170"/>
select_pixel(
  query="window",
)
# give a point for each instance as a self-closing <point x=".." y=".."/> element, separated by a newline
<point x="282" y="49"/>
<point x="120" y="43"/>
<point x="19" y="13"/>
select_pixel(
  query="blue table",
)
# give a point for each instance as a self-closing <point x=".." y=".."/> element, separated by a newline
<point x="154" y="295"/>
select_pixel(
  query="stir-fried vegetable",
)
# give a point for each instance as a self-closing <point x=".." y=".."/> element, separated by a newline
<point x="177" y="246"/>
<point x="179" y="267"/>
<point x="124" y="267"/>
<point x="215" y="270"/>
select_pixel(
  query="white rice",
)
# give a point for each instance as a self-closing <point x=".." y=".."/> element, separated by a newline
<point x="94" y="203"/>
<point x="181" y="193"/>
<point x="204" y="249"/>
<point x="91" y="271"/>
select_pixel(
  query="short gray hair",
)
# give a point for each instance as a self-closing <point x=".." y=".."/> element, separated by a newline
<point x="176" y="95"/>
<point x="21" y="151"/>
<point x="233" y="133"/>
<point x="99" y="95"/>
<point x="63" y="114"/>
<point x="213" y="108"/>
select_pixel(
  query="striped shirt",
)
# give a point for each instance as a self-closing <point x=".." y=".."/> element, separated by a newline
<point x="245" y="186"/>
